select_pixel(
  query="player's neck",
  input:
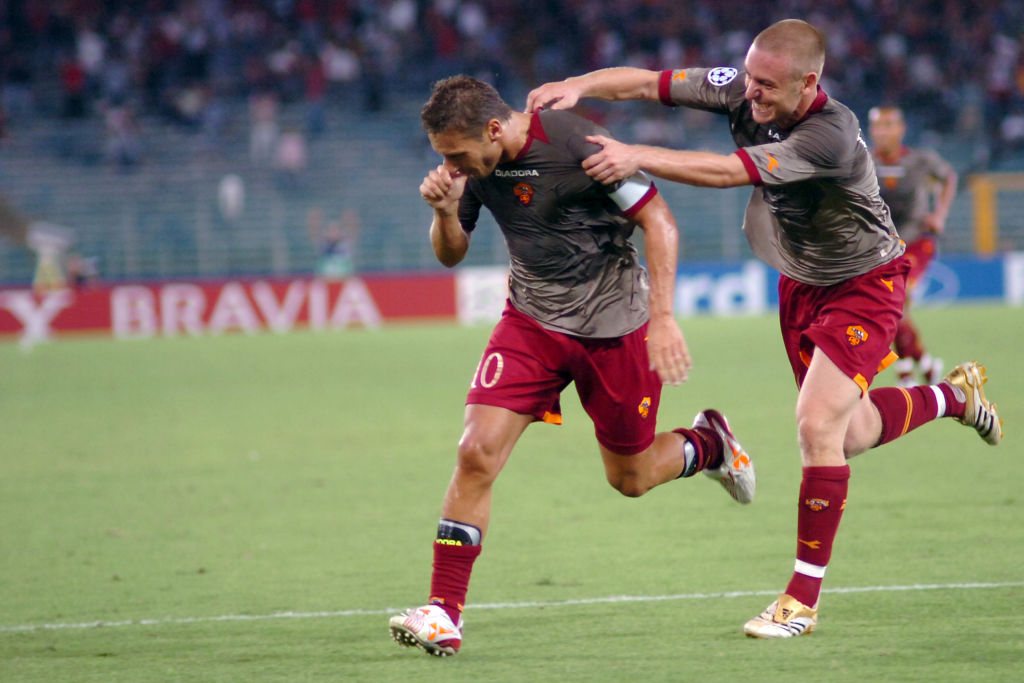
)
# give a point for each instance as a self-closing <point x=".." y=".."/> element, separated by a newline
<point x="889" y="154"/>
<point x="515" y="135"/>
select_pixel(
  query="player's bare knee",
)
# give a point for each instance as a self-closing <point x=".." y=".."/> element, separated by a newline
<point x="628" y="482"/>
<point x="478" y="459"/>
<point x="812" y="432"/>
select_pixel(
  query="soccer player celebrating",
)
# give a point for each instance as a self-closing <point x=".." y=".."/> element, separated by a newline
<point x="581" y="309"/>
<point x="815" y="216"/>
<point x="918" y="186"/>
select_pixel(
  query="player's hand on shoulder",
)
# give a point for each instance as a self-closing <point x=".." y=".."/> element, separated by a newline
<point x="441" y="189"/>
<point x="615" y="161"/>
<point x="553" y="95"/>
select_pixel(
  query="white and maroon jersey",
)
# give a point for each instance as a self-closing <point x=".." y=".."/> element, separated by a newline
<point x="573" y="267"/>
<point x="815" y="214"/>
<point x="906" y="186"/>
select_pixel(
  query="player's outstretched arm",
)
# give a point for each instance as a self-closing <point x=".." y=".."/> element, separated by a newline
<point x="616" y="161"/>
<point x="666" y="347"/>
<point x="616" y="83"/>
<point x="442" y="191"/>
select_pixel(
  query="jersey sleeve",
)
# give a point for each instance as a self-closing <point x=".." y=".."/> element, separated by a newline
<point x="816" y="150"/>
<point x="938" y="168"/>
<point x="469" y="207"/>
<point x="700" y="88"/>
<point x="630" y="194"/>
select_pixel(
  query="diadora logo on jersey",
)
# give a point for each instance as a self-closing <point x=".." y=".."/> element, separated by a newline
<point x="773" y="163"/>
<point x="645" y="407"/>
<point x="516" y="173"/>
<point x="855" y="334"/>
<point x="524" y="193"/>
<point x="816" y="504"/>
<point x="721" y="75"/>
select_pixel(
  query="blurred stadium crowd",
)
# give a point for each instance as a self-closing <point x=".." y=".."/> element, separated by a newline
<point x="322" y="68"/>
<point x="953" y="63"/>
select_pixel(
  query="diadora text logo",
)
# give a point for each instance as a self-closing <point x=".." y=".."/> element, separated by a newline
<point x="516" y="173"/>
<point x="737" y="291"/>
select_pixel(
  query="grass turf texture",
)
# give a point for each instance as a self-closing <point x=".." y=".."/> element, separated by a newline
<point x="159" y="486"/>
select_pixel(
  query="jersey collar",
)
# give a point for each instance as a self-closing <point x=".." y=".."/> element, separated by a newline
<point x="535" y="132"/>
<point x="817" y="105"/>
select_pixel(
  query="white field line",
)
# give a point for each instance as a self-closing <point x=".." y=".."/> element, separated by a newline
<point x="497" y="605"/>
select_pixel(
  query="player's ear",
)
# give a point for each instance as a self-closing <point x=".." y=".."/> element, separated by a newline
<point x="494" y="129"/>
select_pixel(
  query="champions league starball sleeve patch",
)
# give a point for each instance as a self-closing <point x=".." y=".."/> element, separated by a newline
<point x="721" y="75"/>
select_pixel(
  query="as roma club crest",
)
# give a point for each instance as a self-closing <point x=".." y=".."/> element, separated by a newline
<point x="817" y="504"/>
<point x="524" y="193"/>
<point x="855" y="334"/>
<point x="645" y="407"/>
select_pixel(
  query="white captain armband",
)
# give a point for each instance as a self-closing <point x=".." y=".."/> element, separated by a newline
<point x="633" y="192"/>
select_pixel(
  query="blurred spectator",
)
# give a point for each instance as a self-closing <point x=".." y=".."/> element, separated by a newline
<point x="263" y="127"/>
<point x="290" y="159"/>
<point x="335" y="243"/>
<point x="943" y="61"/>
<point x="82" y="272"/>
<point x="123" y="149"/>
<point x="72" y="80"/>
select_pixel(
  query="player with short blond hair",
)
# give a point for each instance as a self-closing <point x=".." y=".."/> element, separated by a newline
<point x="816" y="216"/>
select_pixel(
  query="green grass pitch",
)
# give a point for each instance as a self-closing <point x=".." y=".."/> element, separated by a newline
<point x="252" y="508"/>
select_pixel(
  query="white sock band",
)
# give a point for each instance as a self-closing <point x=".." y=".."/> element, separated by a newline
<point x="808" y="569"/>
<point x="940" y="399"/>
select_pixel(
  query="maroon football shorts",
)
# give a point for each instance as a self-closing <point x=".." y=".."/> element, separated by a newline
<point x="919" y="253"/>
<point x="853" y="322"/>
<point x="525" y="367"/>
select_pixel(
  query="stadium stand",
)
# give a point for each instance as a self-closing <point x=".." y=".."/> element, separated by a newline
<point x="163" y="112"/>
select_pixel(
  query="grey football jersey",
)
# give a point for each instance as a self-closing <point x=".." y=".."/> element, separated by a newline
<point x="573" y="267"/>
<point x="907" y="184"/>
<point x="817" y="215"/>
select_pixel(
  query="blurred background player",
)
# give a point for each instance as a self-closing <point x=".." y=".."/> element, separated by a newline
<point x="919" y="186"/>
<point x="49" y="242"/>
<point x="581" y="309"/>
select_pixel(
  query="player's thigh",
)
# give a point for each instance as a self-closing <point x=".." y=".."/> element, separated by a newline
<point x="619" y="392"/>
<point x="522" y="369"/>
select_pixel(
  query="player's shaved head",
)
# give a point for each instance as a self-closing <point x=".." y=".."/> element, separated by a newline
<point x="801" y="42"/>
<point x="463" y="104"/>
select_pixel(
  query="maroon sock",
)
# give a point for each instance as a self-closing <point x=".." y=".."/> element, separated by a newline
<point x="707" y="450"/>
<point x="955" y="405"/>
<point x="903" y="410"/>
<point x="822" y="501"/>
<point x="450" y="579"/>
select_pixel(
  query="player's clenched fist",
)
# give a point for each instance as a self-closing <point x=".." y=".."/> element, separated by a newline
<point x="442" y="190"/>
